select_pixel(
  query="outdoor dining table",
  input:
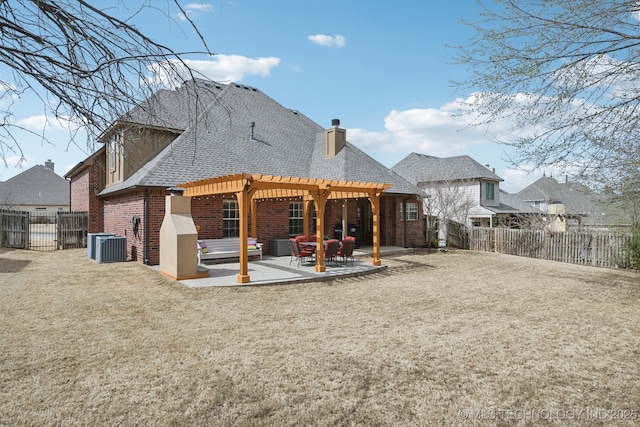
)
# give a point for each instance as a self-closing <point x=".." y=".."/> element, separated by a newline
<point x="312" y="245"/>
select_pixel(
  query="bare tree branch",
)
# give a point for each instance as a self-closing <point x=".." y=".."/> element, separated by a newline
<point x="564" y="74"/>
<point x="85" y="62"/>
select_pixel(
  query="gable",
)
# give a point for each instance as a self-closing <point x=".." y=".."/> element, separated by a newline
<point x="419" y="168"/>
<point x="35" y="186"/>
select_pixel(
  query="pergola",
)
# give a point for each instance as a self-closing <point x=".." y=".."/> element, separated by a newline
<point x="250" y="188"/>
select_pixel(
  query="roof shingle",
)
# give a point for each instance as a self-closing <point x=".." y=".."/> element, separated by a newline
<point x="419" y="168"/>
<point x="244" y="130"/>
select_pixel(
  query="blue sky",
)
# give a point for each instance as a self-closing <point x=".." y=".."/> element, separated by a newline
<point x="383" y="69"/>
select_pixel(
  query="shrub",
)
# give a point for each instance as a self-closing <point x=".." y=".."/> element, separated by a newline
<point x="629" y="255"/>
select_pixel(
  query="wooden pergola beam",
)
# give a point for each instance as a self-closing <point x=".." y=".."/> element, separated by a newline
<point x="248" y="188"/>
<point x="270" y="186"/>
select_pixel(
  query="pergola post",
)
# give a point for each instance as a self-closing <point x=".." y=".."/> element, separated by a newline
<point x="345" y="218"/>
<point x="244" y="205"/>
<point x="305" y="217"/>
<point x="320" y="200"/>
<point x="254" y="219"/>
<point x="374" y="198"/>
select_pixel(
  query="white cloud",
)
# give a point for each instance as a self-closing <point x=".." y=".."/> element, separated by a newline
<point x="200" y="7"/>
<point x="42" y="122"/>
<point x="446" y="132"/>
<point x="221" y="68"/>
<point x="328" y="41"/>
<point x="193" y="10"/>
<point x="635" y="12"/>
<point x="439" y="132"/>
<point x="234" y="67"/>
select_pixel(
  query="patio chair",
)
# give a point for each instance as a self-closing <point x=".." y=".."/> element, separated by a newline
<point x="346" y="250"/>
<point x="313" y="238"/>
<point x="297" y="253"/>
<point x="331" y="250"/>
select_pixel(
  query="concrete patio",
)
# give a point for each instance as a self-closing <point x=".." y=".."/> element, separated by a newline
<point x="273" y="270"/>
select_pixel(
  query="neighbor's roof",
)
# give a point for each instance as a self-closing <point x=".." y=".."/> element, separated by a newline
<point x="510" y="203"/>
<point x="577" y="198"/>
<point x="419" y="168"/>
<point x="242" y="130"/>
<point x="38" y="185"/>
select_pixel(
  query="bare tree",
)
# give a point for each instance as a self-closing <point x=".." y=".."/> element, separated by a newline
<point x="447" y="201"/>
<point x="565" y="74"/>
<point x="88" y="64"/>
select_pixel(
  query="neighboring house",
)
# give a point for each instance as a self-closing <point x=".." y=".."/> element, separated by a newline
<point x="521" y="214"/>
<point x="571" y="205"/>
<point x="205" y="130"/>
<point x="456" y="188"/>
<point x="38" y="189"/>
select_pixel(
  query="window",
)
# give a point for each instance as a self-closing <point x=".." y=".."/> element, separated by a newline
<point x="489" y="188"/>
<point x="112" y="154"/>
<point x="296" y="218"/>
<point x="412" y="211"/>
<point x="230" y="219"/>
<point x="113" y="149"/>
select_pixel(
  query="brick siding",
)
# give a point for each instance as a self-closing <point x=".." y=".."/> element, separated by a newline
<point x="84" y="187"/>
<point x="272" y="217"/>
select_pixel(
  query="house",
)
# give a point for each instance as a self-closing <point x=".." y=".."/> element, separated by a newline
<point x="460" y="190"/>
<point x="204" y="130"/>
<point x="38" y="189"/>
<point x="571" y="205"/>
<point x="456" y="188"/>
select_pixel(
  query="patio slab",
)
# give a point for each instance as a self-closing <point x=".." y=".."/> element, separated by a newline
<point x="280" y="270"/>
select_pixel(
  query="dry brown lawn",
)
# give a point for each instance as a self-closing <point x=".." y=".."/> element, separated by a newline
<point x="460" y="338"/>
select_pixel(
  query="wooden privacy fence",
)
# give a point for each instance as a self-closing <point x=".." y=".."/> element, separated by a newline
<point x="43" y="231"/>
<point x="586" y="248"/>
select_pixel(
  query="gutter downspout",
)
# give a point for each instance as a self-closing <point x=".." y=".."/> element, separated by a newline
<point x="145" y="245"/>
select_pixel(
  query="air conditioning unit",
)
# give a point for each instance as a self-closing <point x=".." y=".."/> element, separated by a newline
<point x="111" y="249"/>
<point x="91" y="243"/>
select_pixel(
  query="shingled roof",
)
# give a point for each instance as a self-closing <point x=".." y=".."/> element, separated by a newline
<point x="511" y="203"/>
<point x="242" y="130"/>
<point x="418" y="168"/>
<point x="577" y="198"/>
<point x="37" y="186"/>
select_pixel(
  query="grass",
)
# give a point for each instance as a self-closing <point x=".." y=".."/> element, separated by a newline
<point x="457" y="338"/>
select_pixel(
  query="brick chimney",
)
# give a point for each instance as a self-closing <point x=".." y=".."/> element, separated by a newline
<point x="336" y="138"/>
<point x="49" y="165"/>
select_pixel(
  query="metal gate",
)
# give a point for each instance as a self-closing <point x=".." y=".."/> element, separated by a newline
<point x="43" y="231"/>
